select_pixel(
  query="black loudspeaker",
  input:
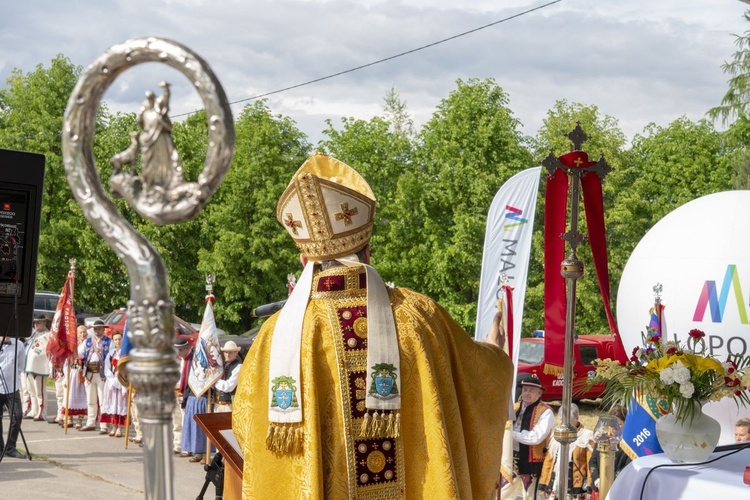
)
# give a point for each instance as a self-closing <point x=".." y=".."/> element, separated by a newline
<point x="21" y="187"/>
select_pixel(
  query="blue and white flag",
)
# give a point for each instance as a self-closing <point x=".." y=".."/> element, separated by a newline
<point x="639" y="431"/>
<point x="207" y="366"/>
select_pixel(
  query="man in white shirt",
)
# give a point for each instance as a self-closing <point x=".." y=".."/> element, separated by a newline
<point x="531" y="433"/>
<point x="226" y="387"/>
<point x="12" y="359"/>
<point x="37" y="366"/>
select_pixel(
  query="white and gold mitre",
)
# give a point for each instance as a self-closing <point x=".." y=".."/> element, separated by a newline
<point x="328" y="208"/>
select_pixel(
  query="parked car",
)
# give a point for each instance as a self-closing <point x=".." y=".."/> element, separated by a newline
<point x="46" y="303"/>
<point x="586" y="349"/>
<point x="115" y="322"/>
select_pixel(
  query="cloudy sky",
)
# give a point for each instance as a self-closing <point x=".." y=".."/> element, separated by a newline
<point x="639" y="61"/>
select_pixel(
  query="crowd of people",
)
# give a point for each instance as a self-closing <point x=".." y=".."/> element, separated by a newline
<point x="345" y="429"/>
<point x="537" y="453"/>
<point x="92" y="394"/>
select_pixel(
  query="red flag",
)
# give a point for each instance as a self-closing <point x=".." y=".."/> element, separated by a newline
<point x="63" y="343"/>
<point x="555" y="215"/>
<point x="554" y="249"/>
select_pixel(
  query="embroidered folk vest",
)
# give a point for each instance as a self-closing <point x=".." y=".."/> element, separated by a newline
<point x="531" y="458"/>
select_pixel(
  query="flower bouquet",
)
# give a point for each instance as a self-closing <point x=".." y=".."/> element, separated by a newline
<point x="676" y="374"/>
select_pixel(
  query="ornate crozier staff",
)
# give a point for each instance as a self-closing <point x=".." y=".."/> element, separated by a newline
<point x="161" y="195"/>
<point x="577" y="166"/>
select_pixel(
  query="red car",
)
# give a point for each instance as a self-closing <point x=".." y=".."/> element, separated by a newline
<point x="586" y="349"/>
<point x="115" y="323"/>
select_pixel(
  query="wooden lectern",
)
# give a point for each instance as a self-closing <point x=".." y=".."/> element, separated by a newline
<point x="217" y="426"/>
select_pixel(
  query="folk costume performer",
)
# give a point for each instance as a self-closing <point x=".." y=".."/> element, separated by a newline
<point x="358" y="390"/>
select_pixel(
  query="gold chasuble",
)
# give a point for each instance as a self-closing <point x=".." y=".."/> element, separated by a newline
<point x="446" y="440"/>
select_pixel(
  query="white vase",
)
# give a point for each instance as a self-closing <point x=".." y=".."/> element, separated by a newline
<point x="688" y="441"/>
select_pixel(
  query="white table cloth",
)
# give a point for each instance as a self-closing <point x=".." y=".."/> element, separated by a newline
<point x="721" y="479"/>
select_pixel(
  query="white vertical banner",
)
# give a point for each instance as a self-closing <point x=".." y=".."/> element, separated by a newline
<point x="507" y="248"/>
<point x="208" y="365"/>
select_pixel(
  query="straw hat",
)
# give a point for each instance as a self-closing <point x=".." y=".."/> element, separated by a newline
<point x="230" y="346"/>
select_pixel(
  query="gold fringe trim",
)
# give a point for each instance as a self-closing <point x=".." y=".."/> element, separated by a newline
<point x="284" y="439"/>
<point x="553" y="369"/>
<point x="378" y="424"/>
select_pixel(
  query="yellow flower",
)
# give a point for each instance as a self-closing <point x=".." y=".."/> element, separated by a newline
<point x="703" y="364"/>
<point x="663" y="362"/>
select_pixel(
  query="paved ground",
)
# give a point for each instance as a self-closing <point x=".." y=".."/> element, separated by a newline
<point x="85" y="465"/>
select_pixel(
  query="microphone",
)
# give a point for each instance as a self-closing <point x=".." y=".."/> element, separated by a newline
<point x="267" y="309"/>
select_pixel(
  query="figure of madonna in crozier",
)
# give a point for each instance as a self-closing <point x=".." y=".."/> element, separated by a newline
<point x="161" y="180"/>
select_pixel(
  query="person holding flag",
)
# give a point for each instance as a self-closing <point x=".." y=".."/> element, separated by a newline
<point x="206" y="369"/>
<point x="63" y="342"/>
<point x="75" y="398"/>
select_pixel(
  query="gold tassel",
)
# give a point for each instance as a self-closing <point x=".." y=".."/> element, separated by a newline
<point x="288" y="439"/>
<point x="375" y="426"/>
<point x="269" y="436"/>
<point x="389" y="427"/>
<point x="281" y="438"/>
<point x="284" y="438"/>
<point x="296" y="440"/>
<point x="365" y="424"/>
<point x="397" y="424"/>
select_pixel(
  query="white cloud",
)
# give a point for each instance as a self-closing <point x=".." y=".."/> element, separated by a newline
<point x="639" y="61"/>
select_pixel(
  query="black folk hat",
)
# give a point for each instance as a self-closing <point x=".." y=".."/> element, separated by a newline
<point x="533" y="381"/>
<point x="38" y="318"/>
<point x="180" y="342"/>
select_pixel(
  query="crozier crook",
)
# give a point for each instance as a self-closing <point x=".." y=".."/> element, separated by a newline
<point x="161" y="195"/>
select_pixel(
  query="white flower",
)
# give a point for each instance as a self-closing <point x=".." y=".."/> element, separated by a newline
<point x="681" y="373"/>
<point x="667" y="375"/>
<point x="687" y="389"/>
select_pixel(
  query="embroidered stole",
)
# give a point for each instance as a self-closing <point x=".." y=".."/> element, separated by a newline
<point x="374" y="450"/>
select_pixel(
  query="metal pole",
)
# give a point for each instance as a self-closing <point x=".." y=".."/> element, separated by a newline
<point x="606" y="467"/>
<point x="571" y="269"/>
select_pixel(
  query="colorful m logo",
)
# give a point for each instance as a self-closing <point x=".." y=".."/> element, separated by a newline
<point x="513" y="214"/>
<point x="709" y="298"/>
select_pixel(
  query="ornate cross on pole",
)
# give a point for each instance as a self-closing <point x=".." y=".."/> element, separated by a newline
<point x="571" y="268"/>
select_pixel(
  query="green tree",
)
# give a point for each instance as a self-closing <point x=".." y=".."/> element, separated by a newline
<point x="469" y="147"/>
<point x="31" y="116"/>
<point x="380" y="149"/>
<point x="666" y="167"/>
<point x="246" y="247"/>
<point x="736" y="101"/>
<point x="734" y="105"/>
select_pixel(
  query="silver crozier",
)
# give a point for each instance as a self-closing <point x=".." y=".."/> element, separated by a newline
<point x="160" y="194"/>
